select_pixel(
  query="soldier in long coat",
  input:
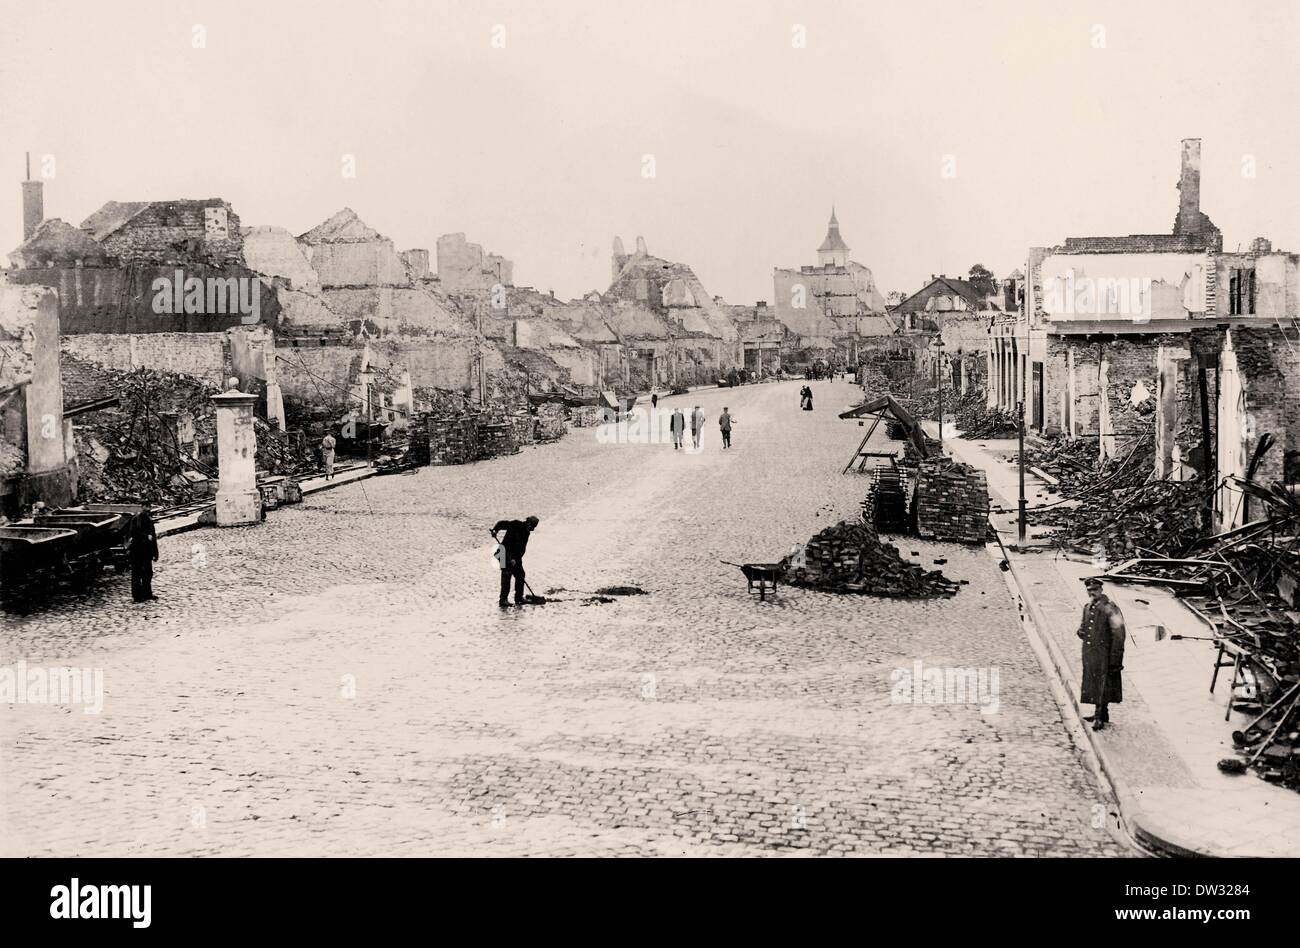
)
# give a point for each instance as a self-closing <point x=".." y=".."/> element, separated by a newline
<point x="1102" y="633"/>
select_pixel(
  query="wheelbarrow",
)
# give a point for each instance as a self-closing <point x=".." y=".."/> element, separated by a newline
<point x="760" y="576"/>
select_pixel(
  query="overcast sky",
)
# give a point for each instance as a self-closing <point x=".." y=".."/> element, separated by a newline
<point x="1061" y="119"/>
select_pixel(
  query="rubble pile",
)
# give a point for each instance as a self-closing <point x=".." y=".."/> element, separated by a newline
<point x="407" y="450"/>
<point x="1116" y="508"/>
<point x="951" y="501"/>
<point x="968" y="413"/>
<point x="988" y="424"/>
<point x="128" y="450"/>
<point x="137" y="448"/>
<point x="552" y="422"/>
<point x="280" y="452"/>
<point x="850" y="558"/>
<point x="1074" y="465"/>
<point x="873" y="381"/>
<point x="1161" y="518"/>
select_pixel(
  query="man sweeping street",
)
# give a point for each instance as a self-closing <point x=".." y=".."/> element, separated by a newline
<point x="511" y="556"/>
<point x="1102" y="632"/>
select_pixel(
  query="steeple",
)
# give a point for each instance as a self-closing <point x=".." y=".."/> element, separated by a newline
<point x="833" y="251"/>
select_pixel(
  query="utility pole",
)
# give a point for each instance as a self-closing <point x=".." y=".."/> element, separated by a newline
<point x="367" y="382"/>
<point x="1020" y="519"/>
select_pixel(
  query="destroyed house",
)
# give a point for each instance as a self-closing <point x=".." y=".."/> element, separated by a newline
<point x="168" y="232"/>
<point x="1167" y="341"/>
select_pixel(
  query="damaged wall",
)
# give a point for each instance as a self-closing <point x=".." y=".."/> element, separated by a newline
<point x="204" y="355"/>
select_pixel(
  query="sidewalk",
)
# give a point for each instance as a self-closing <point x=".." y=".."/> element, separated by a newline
<point x="310" y="485"/>
<point x="1161" y="749"/>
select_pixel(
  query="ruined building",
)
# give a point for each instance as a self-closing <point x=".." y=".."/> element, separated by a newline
<point x="676" y="333"/>
<point x="833" y="304"/>
<point x="1124" y="339"/>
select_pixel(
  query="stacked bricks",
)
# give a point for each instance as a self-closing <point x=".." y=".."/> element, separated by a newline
<point x="462" y="438"/>
<point x="951" y="502"/>
<point x="497" y="438"/>
<point x="523" y="427"/>
<point x="453" y="439"/>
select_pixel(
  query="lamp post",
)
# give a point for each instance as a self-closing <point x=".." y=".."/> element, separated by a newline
<point x="368" y="380"/>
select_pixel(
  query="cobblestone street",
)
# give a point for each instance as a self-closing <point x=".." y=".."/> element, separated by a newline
<point x="339" y="680"/>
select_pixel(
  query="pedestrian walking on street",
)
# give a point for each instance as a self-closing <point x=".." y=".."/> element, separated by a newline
<point x="327" y="455"/>
<point x="142" y="553"/>
<point x="697" y="426"/>
<point x="724" y="422"/>
<point x="511" y="556"/>
<point x="654" y="400"/>
<point x="678" y="426"/>
<point x="1102" y="632"/>
<point x="805" y="399"/>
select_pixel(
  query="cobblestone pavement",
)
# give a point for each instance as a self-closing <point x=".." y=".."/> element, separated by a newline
<point x="339" y="679"/>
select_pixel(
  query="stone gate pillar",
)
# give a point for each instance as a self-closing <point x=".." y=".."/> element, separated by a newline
<point x="238" y="499"/>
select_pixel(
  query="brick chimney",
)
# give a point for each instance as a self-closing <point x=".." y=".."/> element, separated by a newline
<point x="1190" y="220"/>
<point x="33" y="202"/>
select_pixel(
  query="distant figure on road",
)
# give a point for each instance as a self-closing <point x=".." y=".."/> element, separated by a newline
<point x="654" y="400"/>
<point x="677" y="424"/>
<point x="805" y="398"/>
<point x="724" y="422"/>
<point x="327" y="455"/>
<point x="1102" y="632"/>
<point x="142" y="552"/>
<point x="513" y="547"/>
<point x="697" y="426"/>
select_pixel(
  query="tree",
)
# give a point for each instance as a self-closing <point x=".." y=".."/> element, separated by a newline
<point x="982" y="279"/>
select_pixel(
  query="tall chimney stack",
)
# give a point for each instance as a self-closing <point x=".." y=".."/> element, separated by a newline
<point x="33" y="202"/>
<point x="1190" y="219"/>
<point x="1189" y="186"/>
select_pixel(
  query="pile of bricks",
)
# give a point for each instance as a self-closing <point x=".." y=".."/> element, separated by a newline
<point x="523" y="427"/>
<point x="474" y="436"/>
<point x="453" y="439"/>
<point x="951" y="502"/>
<point x="497" y="438"/>
<point x="850" y="558"/>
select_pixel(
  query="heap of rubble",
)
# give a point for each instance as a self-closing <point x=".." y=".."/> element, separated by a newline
<point x="968" y="413"/>
<point x="1157" y="519"/>
<point x="1117" y="508"/>
<point x="129" y="451"/>
<point x="850" y="558"/>
<point x="552" y="422"/>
